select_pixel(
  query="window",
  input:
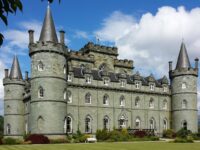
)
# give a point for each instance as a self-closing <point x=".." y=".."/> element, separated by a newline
<point x="88" y="125"/>
<point x="106" y="123"/>
<point x="88" y="79"/>
<point x="40" y="66"/>
<point x="40" y="123"/>
<point x="137" y="123"/>
<point x="8" y="108"/>
<point x="151" y="103"/>
<point x="69" y="78"/>
<point x="164" y="124"/>
<point x="122" y="83"/>
<point x="106" y="81"/>
<point x="8" y="129"/>
<point x="122" y="101"/>
<point x="152" y="123"/>
<point x="122" y="122"/>
<point x="152" y="87"/>
<point x="68" y="125"/>
<point x="164" y="104"/>
<point x="88" y="98"/>
<point x="184" y="125"/>
<point x="64" y="69"/>
<point x="137" y="100"/>
<point x="106" y="99"/>
<point x="26" y="127"/>
<point x="65" y="94"/>
<point x="40" y="92"/>
<point x="165" y="89"/>
<point x="184" y="104"/>
<point x="137" y="85"/>
<point x="69" y="97"/>
<point x="184" y="86"/>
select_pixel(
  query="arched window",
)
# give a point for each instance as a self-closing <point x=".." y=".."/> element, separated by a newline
<point x="151" y="103"/>
<point x="8" y="129"/>
<point x="88" y="125"/>
<point x="122" y="122"/>
<point x="40" y="92"/>
<point x="152" y="123"/>
<point x="164" y="104"/>
<point x="88" y="98"/>
<point x="64" y="69"/>
<point x="106" y="123"/>
<point x="165" y="124"/>
<point x="26" y="127"/>
<point x="122" y="101"/>
<point x="184" y="104"/>
<point x="105" y="99"/>
<point x="137" y="102"/>
<point x="137" y="123"/>
<point x="69" y="97"/>
<point x="65" y="94"/>
<point x="40" y="66"/>
<point x="184" y="124"/>
<point x="8" y="108"/>
<point x="68" y="125"/>
<point x="40" y="123"/>
<point x="184" y="85"/>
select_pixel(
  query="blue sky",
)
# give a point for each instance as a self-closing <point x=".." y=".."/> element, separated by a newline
<point x="146" y="31"/>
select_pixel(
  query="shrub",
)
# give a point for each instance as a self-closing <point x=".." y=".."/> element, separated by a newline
<point x="11" y="141"/>
<point x="169" y="133"/>
<point x="183" y="140"/>
<point x="102" y="135"/>
<point x="38" y="139"/>
<point x="183" y="133"/>
<point x="140" y="134"/>
<point x="58" y="141"/>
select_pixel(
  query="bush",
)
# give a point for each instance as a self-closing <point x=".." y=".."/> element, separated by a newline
<point x="183" y="140"/>
<point x="38" y="139"/>
<point x="102" y="135"/>
<point x="58" y="141"/>
<point x="116" y="135"/>
<point x="140" y="134"/>
<point x="169" y="133"/>
<point x="183" y="133"/>
<point x="11" y="141"/>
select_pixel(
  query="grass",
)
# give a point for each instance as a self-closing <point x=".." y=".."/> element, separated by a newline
<point x="108" y="146"/>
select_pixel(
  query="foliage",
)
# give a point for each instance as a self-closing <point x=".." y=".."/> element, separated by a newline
<point x="11" y="141"/>
<point x="169" y="133"/>
<point x="37" y="139"/>
<point x="102" y="135"/>
<point x="189" y="139"/>
<point x="1" y="126"/>
<point x="140" y="134"/>
<point x="58" y="141"/>
<point x="183" y="133"/>
<point x="79" y="137"/>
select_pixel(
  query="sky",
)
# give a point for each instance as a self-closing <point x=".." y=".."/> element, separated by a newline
<point x="149" y="32"/>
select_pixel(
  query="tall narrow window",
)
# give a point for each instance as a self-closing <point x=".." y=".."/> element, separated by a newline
<point x="69" y="97"/>
<point x="65" y="94"/>
<point x="26" y="127"/>
<point x="40" y="92"/>
<point x="88" y="98"/>
<point x="137" y="85"/>
<point x="122" y="101"/>
<point x="69" y="125"/>
<point x="184" y="104"/>
<point x="122" y="83"/>
<point x="122" y="122"/>
<point x="184" y="125"/>
<point x="106" y="81"/>
<point x="152" y="87"/>
<point x="40" y="66"/>
<point x="151" y="103"/>
<point x="64" y="69"/>
<point x="40" y="123"/>
<point x="8" y="129"/>
<point x="105" y="99"/>
<point x="137" y="102"/>
<point x="152" y="124"/>
<point x="106" y="123"/>
<point x="137" y="123"/>
<point x="88" y="125"/>
<point x="88" y="80"/>
<point x="165" y="124"/>
<point x="69" y="78"/>
<point x="165" y="89"/>
<point x="164" y="104"/>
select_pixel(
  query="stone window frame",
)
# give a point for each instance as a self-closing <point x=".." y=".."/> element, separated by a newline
<point x="88" y="79"/>
<point x="8" y="129"/>
<point x="152" y="86"/>
<point x="40" y="66"/>
<point x="137" y="84"/>
<point x="88" y="98"/>
<point x="69" y="96"/>
<point x="65" y="69"/>
<point x="106" y="119"/>
<point x="165" y="104"/>
<point x="165" y="124"/>
<point x="165" y="89"/>
<point x="106" y="99"/>
<point x="106" y="81"/>
<point x="137" y="102"/>
<point x="122" y="102"/>
<point x="122" y="83"/>
<point x="138" y="126"/>
<point x="69" y="77"/>
<point x="41" y="92"/>
<point x="151" y="103"/>
<point x="68" y="127"/>
<point x="184" y="85"/>
<point x="152" y="123"/>
<point x="184" y="104"/>
<point x="88" y="124"/>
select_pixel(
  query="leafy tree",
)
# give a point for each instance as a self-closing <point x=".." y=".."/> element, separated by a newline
<point x="1" y="125"/>
<point x="10" y="7"/>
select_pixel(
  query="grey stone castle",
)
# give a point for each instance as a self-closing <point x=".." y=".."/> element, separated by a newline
<point x="92" y="89"/>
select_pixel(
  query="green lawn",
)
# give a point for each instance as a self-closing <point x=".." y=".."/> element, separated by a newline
<point x="108" y="146"/>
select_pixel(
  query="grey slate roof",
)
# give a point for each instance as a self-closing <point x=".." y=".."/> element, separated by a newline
<point x="48" y="32"/>
<point x="15" y="72"/>
<point x="183" y="59"/>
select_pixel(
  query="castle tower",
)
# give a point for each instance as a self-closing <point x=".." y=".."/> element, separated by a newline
<point x="13" y="101"/>
<point x="48" y="80"/>
<point x="184" y="92"/>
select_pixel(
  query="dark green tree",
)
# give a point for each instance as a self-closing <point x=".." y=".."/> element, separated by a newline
<point x="1" y="126"/>
<point x="11" y="7"/>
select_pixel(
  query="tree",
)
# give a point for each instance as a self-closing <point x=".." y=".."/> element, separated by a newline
<point x="10" y="7"/>
<point x="1" y="126"/>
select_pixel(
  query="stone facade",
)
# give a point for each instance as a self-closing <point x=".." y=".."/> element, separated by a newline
<point x="92" y="89"/>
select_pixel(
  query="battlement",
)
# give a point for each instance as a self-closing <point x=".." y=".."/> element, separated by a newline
<point x="123" y="63"/>
<point x="100" y="49"/>
<point x="76" y="55"/>
<point x="183" y="71"/>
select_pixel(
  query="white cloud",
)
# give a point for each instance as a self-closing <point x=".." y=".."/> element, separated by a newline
<point x="81" y="34"/>
<point x="153" y="40"/>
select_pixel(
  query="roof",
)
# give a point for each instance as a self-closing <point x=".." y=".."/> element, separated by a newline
<point x="15" y="72"/>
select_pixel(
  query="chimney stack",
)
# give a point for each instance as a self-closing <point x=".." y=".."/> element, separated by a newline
<point x="62" y="37"/>
<point x="31" y="36"/>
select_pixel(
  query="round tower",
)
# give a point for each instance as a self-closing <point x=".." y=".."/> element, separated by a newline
<point x="184" y="93"/>
<point x="13" y="101"/>
<point x="48" y="81"/>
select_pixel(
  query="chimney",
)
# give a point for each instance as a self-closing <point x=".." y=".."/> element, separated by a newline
<point x="196" y="63"/>
<point x="26" y="75"/>
<point x="31" y="36"/>
<point x="6" y="73"/>
<point x="62" y="37"/>
<point x="170" y="65"/>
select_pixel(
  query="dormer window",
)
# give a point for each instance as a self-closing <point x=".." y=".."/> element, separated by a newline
<point x="88" y="80"/>
<point x="69" y="78"/>
<point x="40" y="66"/>
<point x="137" y="85"/>
<point x="184" y="86"/>
<point x="122" y="83"/>
<point x="106" y="81"/>
<point x="165" y="89"/>
<point x="152" y="87"/>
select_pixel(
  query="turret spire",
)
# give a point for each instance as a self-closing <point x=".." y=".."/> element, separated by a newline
<point x="15" y="72"/>
<point x="183" y="59"/>
<point x="48" y="32"/>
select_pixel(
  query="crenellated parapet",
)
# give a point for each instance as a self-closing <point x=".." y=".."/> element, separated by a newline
<point x="81" y="56"/>
<point x="91" y="47"/>
<point x="183" y="71"/>
<point x="125" y="63"/>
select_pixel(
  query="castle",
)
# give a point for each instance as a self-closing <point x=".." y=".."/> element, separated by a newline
<point x="92" y="89"/>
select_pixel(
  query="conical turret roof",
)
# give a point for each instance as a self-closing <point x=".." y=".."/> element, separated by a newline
<point x="183" y="59"/>
<point x="48" y="32"/>
<point x="15" y="72"/>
